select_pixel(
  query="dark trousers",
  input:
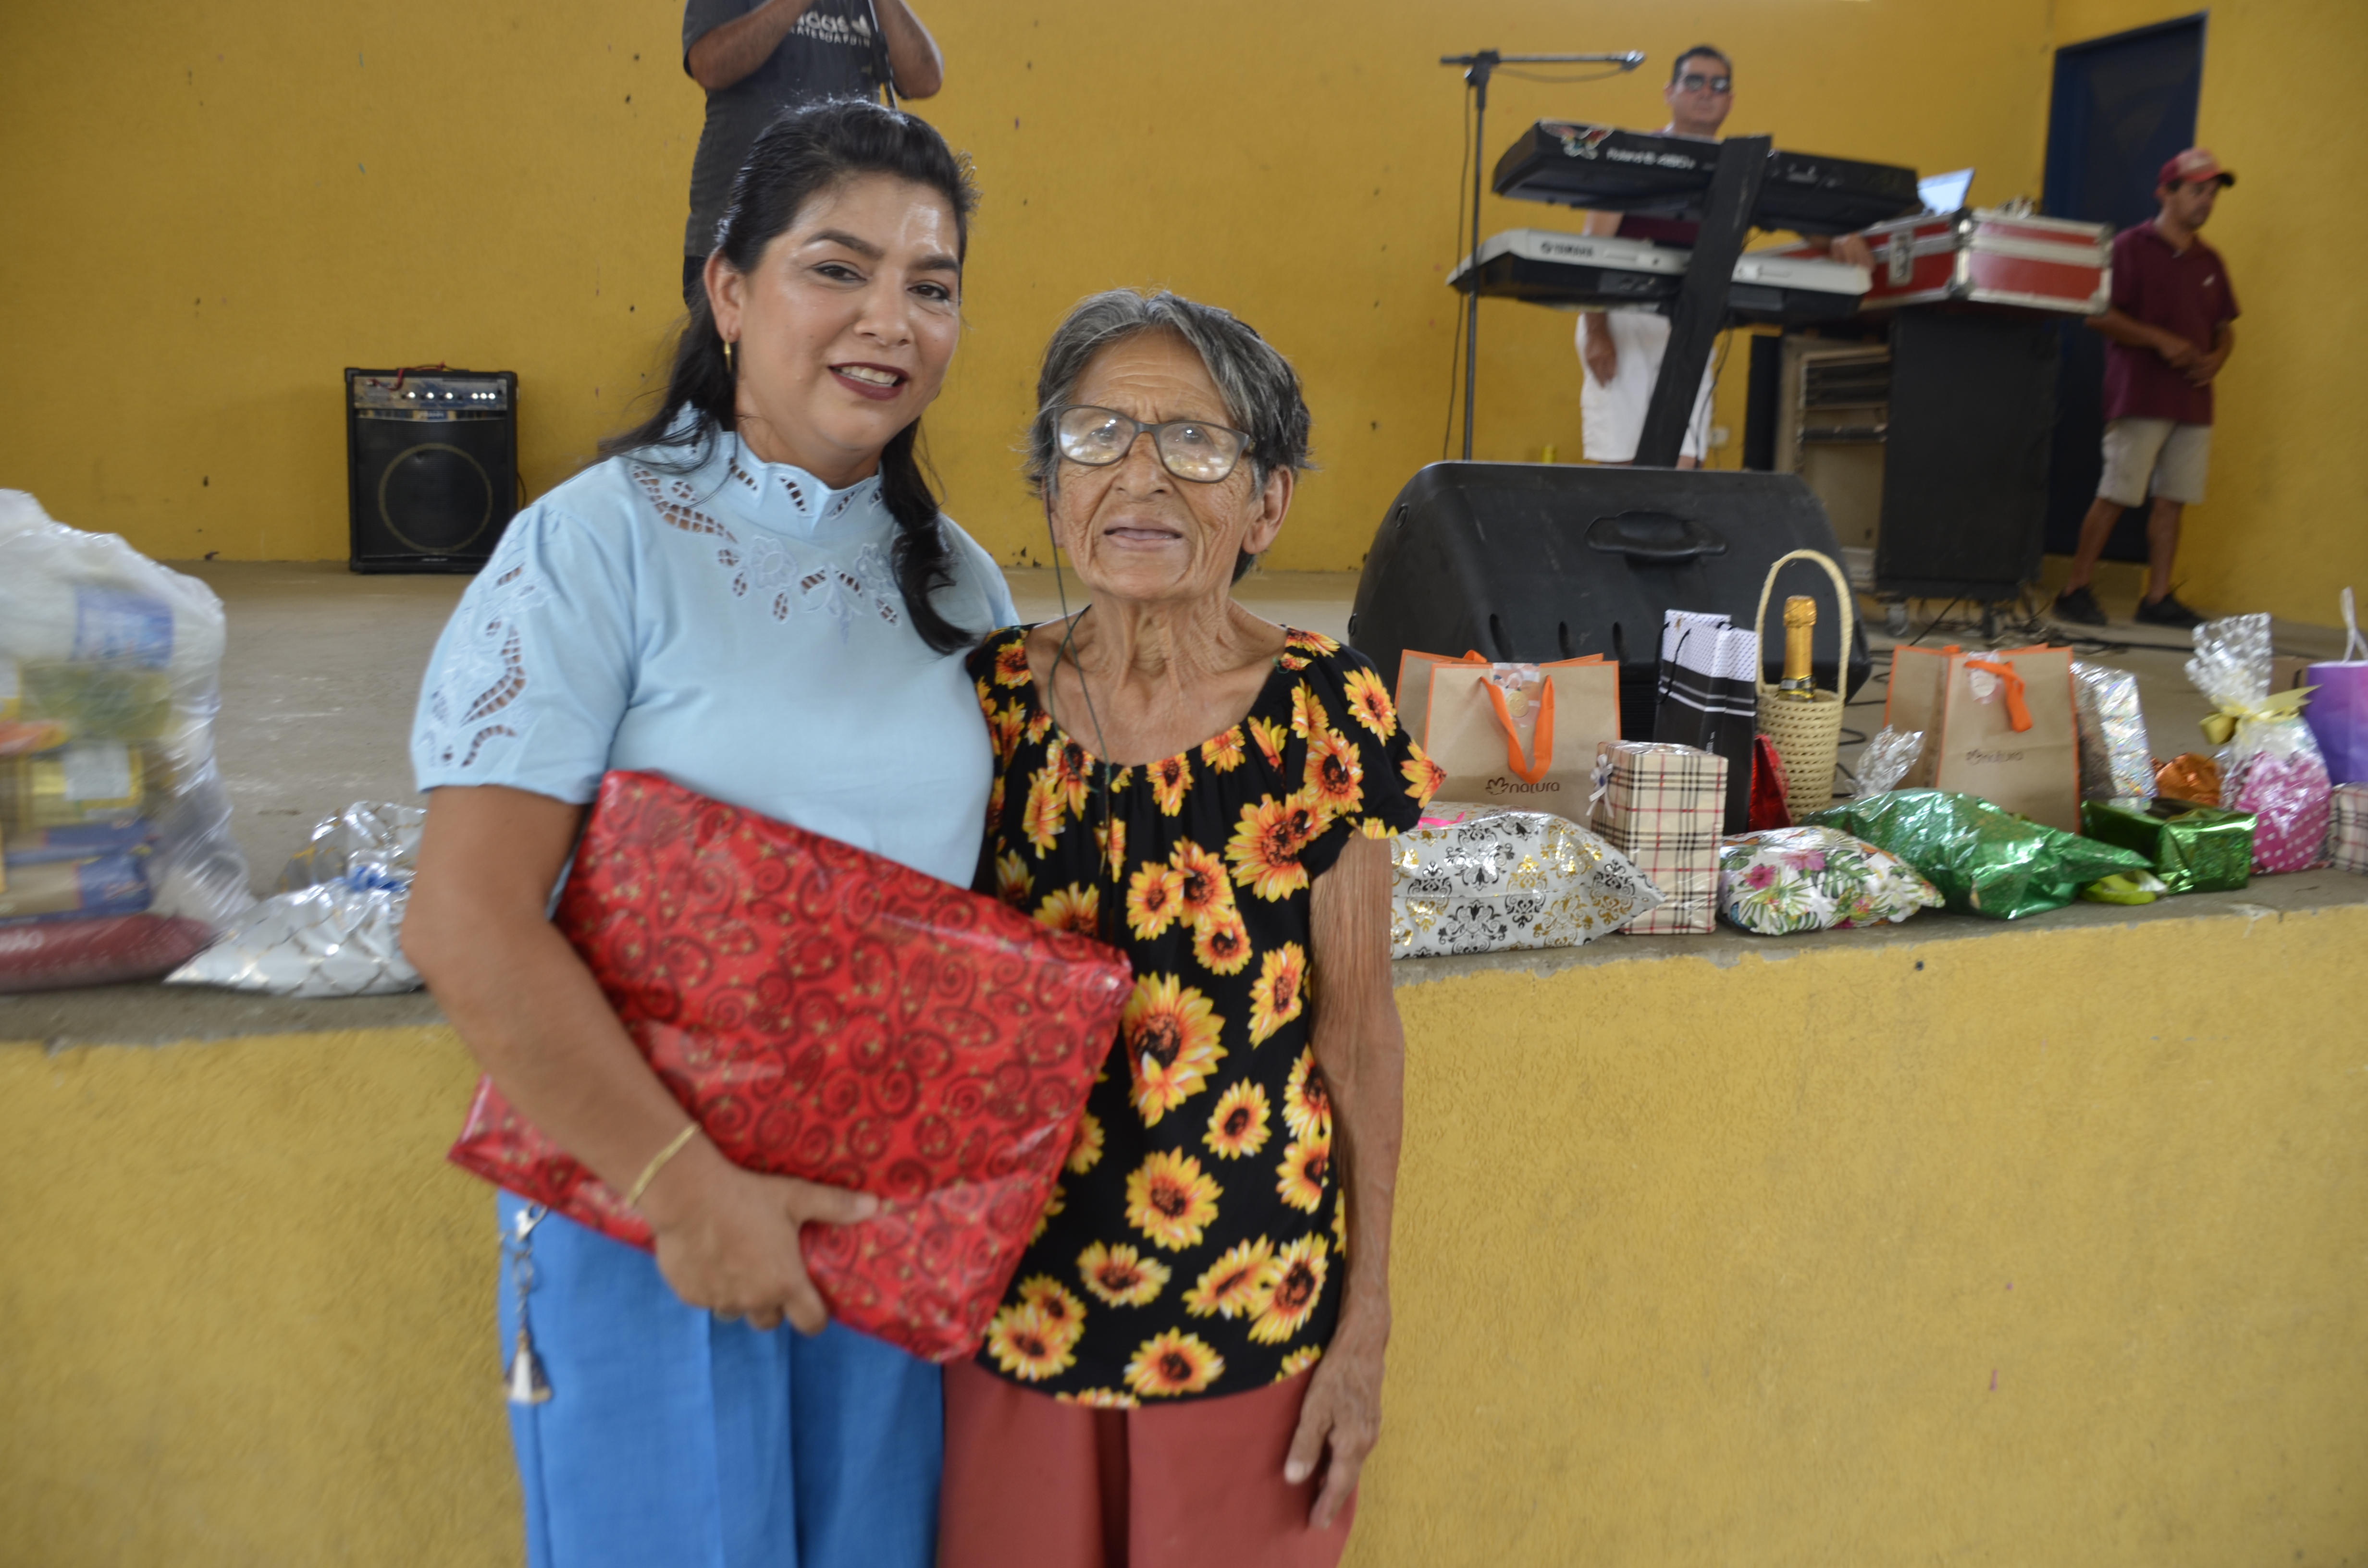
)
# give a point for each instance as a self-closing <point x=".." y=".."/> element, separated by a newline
<point x="694" y="270"/>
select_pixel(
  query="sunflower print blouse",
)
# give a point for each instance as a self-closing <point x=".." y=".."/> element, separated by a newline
<point x="1194" y="1242"/>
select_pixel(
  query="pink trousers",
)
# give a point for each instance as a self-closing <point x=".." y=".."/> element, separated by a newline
<point x="1031" y="1483"/>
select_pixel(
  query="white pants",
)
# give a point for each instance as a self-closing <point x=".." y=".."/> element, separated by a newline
<point x="1611" y="417"/>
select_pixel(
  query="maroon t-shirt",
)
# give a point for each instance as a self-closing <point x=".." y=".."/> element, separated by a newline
<point x="2186" y="292"/>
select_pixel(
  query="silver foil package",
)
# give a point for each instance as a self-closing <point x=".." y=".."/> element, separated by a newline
<point x="2116" y="757"/>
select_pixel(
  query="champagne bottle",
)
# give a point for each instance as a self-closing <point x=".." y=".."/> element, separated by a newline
<point x="1800" y="622"/>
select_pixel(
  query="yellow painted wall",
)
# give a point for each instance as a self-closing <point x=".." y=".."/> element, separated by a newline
<point x="2286" y="523"/>
<point x="212" y="209"/>
<point x="1938" y="1251"/>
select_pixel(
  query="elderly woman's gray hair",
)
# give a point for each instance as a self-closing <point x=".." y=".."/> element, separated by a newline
<point x="1260" y="389"/>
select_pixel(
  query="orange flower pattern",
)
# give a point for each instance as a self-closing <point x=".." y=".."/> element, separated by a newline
<point x="1192" y="1247"/>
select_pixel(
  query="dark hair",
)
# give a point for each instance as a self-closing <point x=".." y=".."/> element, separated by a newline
<point x="1260" y="389"/>
<point x="807" y="151"/>
<point x="1677" y="66"/>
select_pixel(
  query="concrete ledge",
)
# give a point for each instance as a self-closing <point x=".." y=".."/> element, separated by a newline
<point x="159" y="1014"/>
<point x="2004" y="1245"/>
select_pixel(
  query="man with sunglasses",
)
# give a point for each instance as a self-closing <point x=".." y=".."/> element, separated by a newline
<point x="1622" y="350"/>
<point x="2169" y="333"/>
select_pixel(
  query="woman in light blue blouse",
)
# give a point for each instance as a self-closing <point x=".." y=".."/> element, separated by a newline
<point x="755" y="596"/>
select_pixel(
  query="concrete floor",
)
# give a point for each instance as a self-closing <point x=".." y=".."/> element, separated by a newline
<point x="323" y="670"/>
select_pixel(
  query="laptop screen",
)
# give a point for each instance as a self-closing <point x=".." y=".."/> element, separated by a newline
<point x="1945" y="193"/>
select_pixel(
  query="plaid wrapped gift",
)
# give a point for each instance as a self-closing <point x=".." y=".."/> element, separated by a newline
<point x="1662" y="806"/>
<point x="2347" y="842"/>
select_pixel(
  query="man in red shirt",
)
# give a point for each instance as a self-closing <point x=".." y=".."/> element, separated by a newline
<point x="2170" y="333"/>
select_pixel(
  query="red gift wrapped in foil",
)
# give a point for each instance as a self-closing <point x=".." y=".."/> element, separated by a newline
<point x="831" y="1015"/>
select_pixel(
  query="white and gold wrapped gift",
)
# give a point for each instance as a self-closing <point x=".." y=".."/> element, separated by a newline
<point x="1487" y="880"/>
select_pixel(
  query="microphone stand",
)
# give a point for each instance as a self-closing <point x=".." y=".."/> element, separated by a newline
<point x="1479" y="67"/>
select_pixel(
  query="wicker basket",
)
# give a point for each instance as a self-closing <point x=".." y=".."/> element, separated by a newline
<point x="1808" y="735"/>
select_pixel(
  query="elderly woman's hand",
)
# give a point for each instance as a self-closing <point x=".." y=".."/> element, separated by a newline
<point x="1342" y="1413"/>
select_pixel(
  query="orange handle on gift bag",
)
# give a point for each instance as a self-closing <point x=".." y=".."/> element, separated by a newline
<point x="1540" y="744"/>
<point x="2018" y="712"/>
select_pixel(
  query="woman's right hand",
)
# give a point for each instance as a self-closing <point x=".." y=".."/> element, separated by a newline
<point x="1602" y="355"/>
<point x="727" y="1237"/>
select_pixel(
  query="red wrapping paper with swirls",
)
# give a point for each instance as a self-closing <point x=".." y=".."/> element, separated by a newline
<point x="828" y="1014"/>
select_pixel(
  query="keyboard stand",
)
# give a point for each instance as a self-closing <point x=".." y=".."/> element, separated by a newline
<point x="1701" y="311"/>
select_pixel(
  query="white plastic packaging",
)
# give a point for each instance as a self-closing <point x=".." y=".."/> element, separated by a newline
<point x="116" y="857"/>
<point x="335" y="927"/>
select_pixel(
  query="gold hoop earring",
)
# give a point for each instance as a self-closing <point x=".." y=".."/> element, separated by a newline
<point x="730" y="367"/>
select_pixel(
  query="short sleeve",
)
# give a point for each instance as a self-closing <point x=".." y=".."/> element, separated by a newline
<point x="700" y="17"/>
<point x="1365" y="772"/>
<point x="532" y="676"/>
<point x="2125" y="287"/>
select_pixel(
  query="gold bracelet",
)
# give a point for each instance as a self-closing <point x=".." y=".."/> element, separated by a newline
<point x="657" y="1162"/>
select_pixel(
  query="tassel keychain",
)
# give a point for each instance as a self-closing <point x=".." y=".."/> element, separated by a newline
<point x="524" y="1381"/>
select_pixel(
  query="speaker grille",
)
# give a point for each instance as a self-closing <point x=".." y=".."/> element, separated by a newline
<point x="433" y="467"/>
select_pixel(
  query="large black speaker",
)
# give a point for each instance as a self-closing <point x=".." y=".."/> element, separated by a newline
<point x="431" y="461"/>
<point x="1964" y="462"/>
<point x="1535" y="561"/>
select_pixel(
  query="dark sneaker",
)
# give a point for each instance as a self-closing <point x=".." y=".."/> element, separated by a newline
<point x="2167" y="611"/>
<point x="2079" y="606"/>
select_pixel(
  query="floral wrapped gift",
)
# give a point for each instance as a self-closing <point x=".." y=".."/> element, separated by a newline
<point x="2193" y="848"/>
<point x="1485" y="879"/>
<point x="1815" y="879"/>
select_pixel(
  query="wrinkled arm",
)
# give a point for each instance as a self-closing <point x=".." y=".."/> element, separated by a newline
<point x="1361" y="1048"/>
<point x="535" y="1019"/>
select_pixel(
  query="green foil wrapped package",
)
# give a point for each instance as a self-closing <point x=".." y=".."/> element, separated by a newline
<point x="2193" y="848"/>
<point x="1983" y="858"/>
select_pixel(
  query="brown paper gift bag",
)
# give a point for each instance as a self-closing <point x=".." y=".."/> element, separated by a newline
<point x="2000" y="725"/>
<point x="1520" y="734"/>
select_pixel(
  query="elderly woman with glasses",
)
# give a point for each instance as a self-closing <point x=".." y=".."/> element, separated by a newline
<point x="1187" y="1366"/>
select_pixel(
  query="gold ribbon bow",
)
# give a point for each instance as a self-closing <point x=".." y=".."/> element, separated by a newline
<point x="2287" y="704"/>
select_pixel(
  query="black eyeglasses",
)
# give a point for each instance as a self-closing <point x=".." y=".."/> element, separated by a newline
<point x="1193" y="449"/>
<point x="1694" y="82"/>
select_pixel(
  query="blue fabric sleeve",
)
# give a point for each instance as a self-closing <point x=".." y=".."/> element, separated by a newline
<point x="533" y="672"/>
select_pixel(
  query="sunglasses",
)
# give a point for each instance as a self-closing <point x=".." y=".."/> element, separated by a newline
<point x="1694" y="82"/>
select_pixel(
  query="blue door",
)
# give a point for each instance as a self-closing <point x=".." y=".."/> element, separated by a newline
<point x="2122" y="107"/>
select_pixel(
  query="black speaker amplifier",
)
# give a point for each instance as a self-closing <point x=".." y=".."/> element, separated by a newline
<point x="431" y="461"/>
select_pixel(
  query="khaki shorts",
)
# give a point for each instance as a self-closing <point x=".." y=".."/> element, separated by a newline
<point x="2173" y="456"/>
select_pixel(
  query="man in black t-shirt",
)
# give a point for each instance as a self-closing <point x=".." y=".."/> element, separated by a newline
<point x="756" y="58"/>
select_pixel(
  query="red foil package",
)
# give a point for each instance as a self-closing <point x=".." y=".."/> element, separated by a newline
<point x="831" y="1015"/>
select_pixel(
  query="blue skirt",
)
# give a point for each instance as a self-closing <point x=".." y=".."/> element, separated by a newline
<point x="674" y="1440"/>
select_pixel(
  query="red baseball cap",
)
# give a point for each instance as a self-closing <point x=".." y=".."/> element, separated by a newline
<point x="2195" y="166"/>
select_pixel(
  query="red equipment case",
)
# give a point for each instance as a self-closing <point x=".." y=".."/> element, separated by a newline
<point x="1987" y="257"/>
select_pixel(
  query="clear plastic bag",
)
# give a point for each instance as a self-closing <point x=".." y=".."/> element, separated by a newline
<point x="335" y="927"/>
<point x="1886" y="759"/>
<point x="2269" y="764"/>
<point x="115" y="842"/>
<point x="2116" y="759"/>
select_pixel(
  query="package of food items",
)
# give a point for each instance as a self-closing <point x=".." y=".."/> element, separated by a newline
<point x="1815" y="879"/>
<point x="1483" y="879"/>
<point x="334" y="928"/>
<point x="2269" y="763"/>
<point x="116" y="859"/>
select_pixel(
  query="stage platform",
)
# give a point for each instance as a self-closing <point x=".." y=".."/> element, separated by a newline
<point x="2011" y="1244"/>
